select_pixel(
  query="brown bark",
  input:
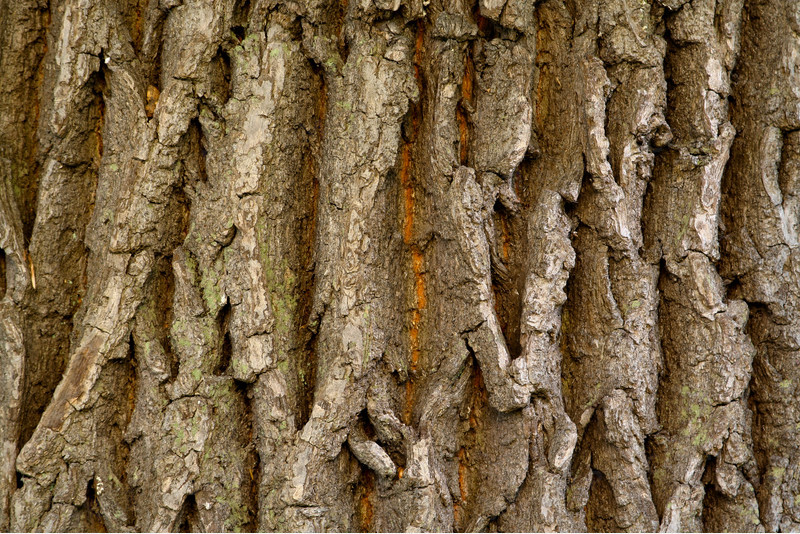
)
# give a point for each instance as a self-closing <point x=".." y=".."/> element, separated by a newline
<point x="384" y="265"/>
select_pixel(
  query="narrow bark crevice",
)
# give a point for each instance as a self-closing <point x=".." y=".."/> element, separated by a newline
<point x="709" y="504"/>
<point x="3" y="284"/>
<point x="306" y="371"/>
<point x="599" y="508"/>
<point x="24" y="41"/>
<point x="134" y="12"/>
<point x="365" y="495"/>
<point x="466" y="103"/>
<point x="99" y="108"/>
<point x="224" y="319"/>
<point x="242" y="14"/>
<point x="305" y="365"/>
<point x="408" y="179"/>
<point x="365" y="492"/>
<point x="223" y="368"/>
<point x="255" y="483"/>
<point x="188" y="520"/>
<point x="252" y="462"/>
<point x="472" y="444"/>
<point x="61" y="284"/>
<point x="112" y="483"/>
<point x="760" y="249"/>
<point x="149" y="51"/>
<point x="196" y="153"/>
<point x="89" y="518"/>
<point x="507" y="272"/>
<point x="164" y="296"/>
<point x="220" y="78"/>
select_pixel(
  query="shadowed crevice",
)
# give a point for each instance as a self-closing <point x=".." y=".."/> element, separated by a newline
<point x="59" y="250"/>
<point x="2" y="273"/>
<point x="226" y="350"/>
<point x="304" y="365"/>
<point x="188" y="520"/>
<point x="88" y="518"/>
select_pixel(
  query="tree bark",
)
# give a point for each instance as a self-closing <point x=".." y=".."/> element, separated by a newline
<point x="400" y="265"/>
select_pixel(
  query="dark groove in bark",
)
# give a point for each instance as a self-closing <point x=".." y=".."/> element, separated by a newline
<point x="91" y="520"/>
<point x="22" y="64"/>
<point x="129" y="387"/>
<point x="366" y="497"/>
<point x="150" y="51"/>
<point x="472" y="446"/>
<point x="305" y="367"/>
<point x="507" y="276"/>
<point x="135" y="17"/>
<point x="759" y="248"/>
<point x="408" y="177"/>
<point x="253" y="460"/>
<point x="52" y="305"/>
<point x="225" y="358"/>
<point x="164" y="293"/>
<point x="187" y="519"/>
<point x="2" y="274"/>
<point x="466" y="101"/>
<point x="255" y="479"/>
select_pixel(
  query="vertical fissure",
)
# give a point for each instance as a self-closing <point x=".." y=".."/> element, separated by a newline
<point x="90" y="519"/>
<point x="472" y="442"/>
<point x="59" y="253"/>
<point x="366" y="511"/>
<point x="306" y="364"/>
<point x="465" y="104"/>
<point x="252" y="462"/>
<point x="3" y="285"/>
<point x="224" y="319"/>
<point x="759" y="238"/>
<point x="188" y="520"/>
<point x="507" y="276"/>
<point x="409" y="186"/>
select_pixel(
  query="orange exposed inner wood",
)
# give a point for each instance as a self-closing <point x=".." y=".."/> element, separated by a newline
<point x="462" y="473"/>
<point x="152" y="100"/>
<point x="466" y="95"/>
<point x="462" y="483"/>
<point x="136" y="26"/>
<point x="479" y="400"/>
<point x="367" y="512"/>
<point x="505" y="238"/>
<point x="420" y="299"/>
<point x="98" y="128"/>
<point x="418" y="53"/>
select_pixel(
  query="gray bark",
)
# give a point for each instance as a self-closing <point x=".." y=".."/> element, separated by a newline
<point x="399" y="265"/>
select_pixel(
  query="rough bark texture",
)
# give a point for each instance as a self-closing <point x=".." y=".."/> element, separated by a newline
<point x="404" y="265"/>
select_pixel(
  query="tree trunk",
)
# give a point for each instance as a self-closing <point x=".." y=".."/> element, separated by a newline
<point x="420" y="265"/>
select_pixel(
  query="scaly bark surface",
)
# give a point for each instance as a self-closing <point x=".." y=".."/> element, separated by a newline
<point x="399" y="265"/>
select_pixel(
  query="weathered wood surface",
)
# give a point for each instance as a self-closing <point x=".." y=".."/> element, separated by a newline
<point x="400" y="265"/>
